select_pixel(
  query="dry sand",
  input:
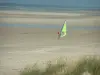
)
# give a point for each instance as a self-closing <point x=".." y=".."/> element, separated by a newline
<point x="22" y="46"/>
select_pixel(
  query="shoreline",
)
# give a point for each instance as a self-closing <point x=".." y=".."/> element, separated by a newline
<point x="37" y="14"/>
<point x="48" y="18"/>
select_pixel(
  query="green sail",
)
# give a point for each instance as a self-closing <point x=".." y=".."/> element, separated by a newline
<point x="63" y="30"/>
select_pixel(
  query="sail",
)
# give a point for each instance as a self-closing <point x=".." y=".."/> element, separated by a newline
<point x="63" y="30"/>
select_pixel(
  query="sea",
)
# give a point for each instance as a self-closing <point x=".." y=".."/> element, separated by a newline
<point x="49" y="8"/>
<point x="39" y="7"/>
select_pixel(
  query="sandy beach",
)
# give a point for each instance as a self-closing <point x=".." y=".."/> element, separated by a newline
<point x="20" y="46"/>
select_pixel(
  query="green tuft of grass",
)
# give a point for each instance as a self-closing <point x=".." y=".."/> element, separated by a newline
<point x="89" y="64"/>
<point x="34" y="70"/>
<point x="55" y="69"/>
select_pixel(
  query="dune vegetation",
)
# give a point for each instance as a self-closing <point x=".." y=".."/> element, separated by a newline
<point x="88" y="65"/>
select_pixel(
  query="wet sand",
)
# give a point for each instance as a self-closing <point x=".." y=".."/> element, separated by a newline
<point x="49" y="18"/>
<point x="21" y="46"/>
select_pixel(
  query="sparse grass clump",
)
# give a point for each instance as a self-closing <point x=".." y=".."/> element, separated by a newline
<point x="89" y="64"/>
<point x="34" y="70"/>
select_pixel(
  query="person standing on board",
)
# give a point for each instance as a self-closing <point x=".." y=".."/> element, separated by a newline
<point x="58" y="35"/>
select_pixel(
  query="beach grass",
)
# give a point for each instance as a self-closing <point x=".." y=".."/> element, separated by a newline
<point x="88" y="65"/>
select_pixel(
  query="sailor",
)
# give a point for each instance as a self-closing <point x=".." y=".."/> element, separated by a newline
<point x="58" y="35"/>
